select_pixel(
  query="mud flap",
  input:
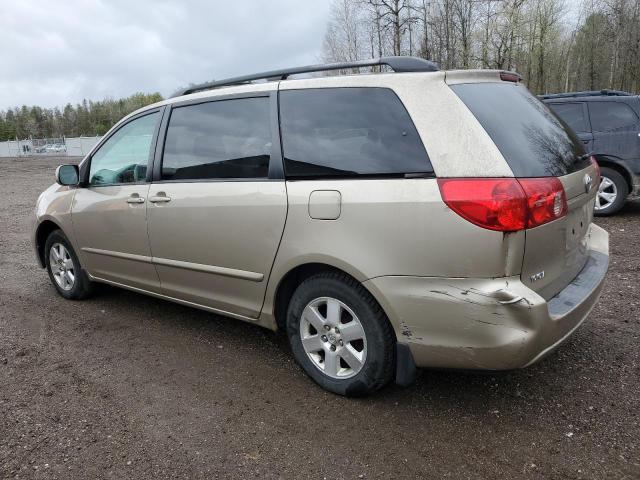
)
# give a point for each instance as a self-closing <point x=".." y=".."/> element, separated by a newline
<point x="406" y="370"/>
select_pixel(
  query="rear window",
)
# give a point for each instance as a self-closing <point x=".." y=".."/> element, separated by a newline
<point x="606" y="116"/>
<point x="533" y="141"/>
<point x="572" y="114"/>
<point x="348" y="132"/>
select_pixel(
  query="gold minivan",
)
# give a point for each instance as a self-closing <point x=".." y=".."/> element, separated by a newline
<point x="385" y="221"/>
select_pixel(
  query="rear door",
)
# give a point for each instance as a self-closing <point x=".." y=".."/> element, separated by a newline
<point x="536" y="144"/>
<point x="616" y="129"/>
<point x="575" y="114"/>
<point x="218" y="202"/>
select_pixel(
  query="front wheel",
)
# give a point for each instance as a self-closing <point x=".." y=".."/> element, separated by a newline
<point x="612" y="192"/>
<point x="64" y="269"/>
<point x="340" y="335"/>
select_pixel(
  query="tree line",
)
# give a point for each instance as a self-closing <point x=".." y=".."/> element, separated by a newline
<point x="555" y="46"/>
<point x="88" y="118"/>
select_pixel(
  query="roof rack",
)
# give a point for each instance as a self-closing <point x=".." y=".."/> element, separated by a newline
<point x="590" y="93"/>
<point x="397" y="64"/>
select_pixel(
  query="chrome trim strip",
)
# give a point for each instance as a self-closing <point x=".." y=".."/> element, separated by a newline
<point x="196" y="267"/>
<point x="111" y="253"/>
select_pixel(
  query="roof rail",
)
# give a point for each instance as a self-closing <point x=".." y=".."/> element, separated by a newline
<point x="397" y="64"/>
<point x="590" y="93"/>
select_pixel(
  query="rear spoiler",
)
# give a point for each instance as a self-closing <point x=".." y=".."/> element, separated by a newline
<point x="452" y="77"/>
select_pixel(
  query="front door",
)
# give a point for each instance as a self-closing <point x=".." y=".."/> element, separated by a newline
<point x="215" y="214"/>
<point x="109" y="214"/>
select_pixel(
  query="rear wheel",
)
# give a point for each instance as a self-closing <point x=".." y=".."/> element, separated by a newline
<point x="64" y="269"/>
<point x="612" y="192"/>
<point x="340" y="335"/>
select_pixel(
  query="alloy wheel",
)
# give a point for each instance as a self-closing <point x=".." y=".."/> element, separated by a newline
<point x="607" y="194"/>
<point x="62" y="266"/>
<point x="333" y="337"/>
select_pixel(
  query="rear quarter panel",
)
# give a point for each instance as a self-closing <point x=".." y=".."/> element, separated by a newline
<point x="390" y="227"/>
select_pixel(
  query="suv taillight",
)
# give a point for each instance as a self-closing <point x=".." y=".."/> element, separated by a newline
<point x="594" y="162"/>
<point x="505" y="204"/>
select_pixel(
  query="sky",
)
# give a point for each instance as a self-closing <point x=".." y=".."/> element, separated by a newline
<point x="58" y="52"/>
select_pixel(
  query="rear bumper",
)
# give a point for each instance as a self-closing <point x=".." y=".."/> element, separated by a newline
<point x="493" y="324"/>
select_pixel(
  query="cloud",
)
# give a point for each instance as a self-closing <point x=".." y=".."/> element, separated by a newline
<point x="61" y="52"/>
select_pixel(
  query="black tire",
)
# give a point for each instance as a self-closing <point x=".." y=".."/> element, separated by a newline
<point x="82" y="286"/>
<point x="379" y="365"/>
<point x="622" y="190"/>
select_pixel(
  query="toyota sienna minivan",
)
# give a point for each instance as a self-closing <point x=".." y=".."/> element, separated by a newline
<point x="384" y="221"/>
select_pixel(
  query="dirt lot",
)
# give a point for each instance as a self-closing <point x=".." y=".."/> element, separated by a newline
<point x="124" y="385"/>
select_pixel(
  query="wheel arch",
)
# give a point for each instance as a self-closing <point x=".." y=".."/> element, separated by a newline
<point x="42" y="233"/>
<point x="299" y="273"/>
<point x="617" y="165"/>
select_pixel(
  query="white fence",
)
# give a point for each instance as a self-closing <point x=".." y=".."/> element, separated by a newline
<point x="80" y="146"/>
<point x="72" y="146"/>
<point x="15" y="148"/>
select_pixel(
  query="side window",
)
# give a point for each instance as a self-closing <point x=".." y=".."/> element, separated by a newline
<point x="348" y="132"/>
<point x="216" y="140"/>
<point x="572" y="114"/>
<point x="124" y="156"/>
<point x="607" y="116"/>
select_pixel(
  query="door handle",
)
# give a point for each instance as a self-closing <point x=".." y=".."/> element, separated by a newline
<point x="135" y="198"/>
<point x="159" y="199"/>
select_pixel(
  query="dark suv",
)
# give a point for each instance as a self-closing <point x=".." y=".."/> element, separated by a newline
<point x="608" y="123"/>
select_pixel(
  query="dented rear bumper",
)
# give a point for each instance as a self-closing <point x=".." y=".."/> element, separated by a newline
<point x="493" y="324"/>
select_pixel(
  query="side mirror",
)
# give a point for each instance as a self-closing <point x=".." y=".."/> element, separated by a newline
<point x="67" y="175"/>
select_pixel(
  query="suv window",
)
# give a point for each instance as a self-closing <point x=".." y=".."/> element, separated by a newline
<point x="610" y="116"/>
<point x="347" y="132"/>
<point x="123" y="158"/>
<point x="531" y="139"/>
<point x="572" y="114"/>
<point x="220" y="139"/>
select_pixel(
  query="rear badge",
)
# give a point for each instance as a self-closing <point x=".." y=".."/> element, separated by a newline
<point x="587" y="182"/>
<point x="537" y="276"/>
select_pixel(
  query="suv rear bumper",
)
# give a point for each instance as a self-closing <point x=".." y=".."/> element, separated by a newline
<point x="493" y="324"/>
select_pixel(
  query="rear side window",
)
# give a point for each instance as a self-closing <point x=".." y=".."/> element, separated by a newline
<point x="607" y="116"/>
<point x="533" y="141"/>
<point x="348" y="132"/>
<point x="572" y="114"/>
<point x="218" y="140"/>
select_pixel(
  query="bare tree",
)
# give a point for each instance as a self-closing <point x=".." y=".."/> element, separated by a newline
<point x="554" y="48"/>
<point x="342" y="41"/>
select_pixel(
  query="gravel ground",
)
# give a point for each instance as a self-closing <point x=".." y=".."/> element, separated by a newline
<point x="124" y="385"/>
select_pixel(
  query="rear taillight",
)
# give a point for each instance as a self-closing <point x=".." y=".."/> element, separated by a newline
<point x="546" y="200"/>
<point x="505" y="204"/>
<point x="493" y="203"/>
<point x="594" y="162"/>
